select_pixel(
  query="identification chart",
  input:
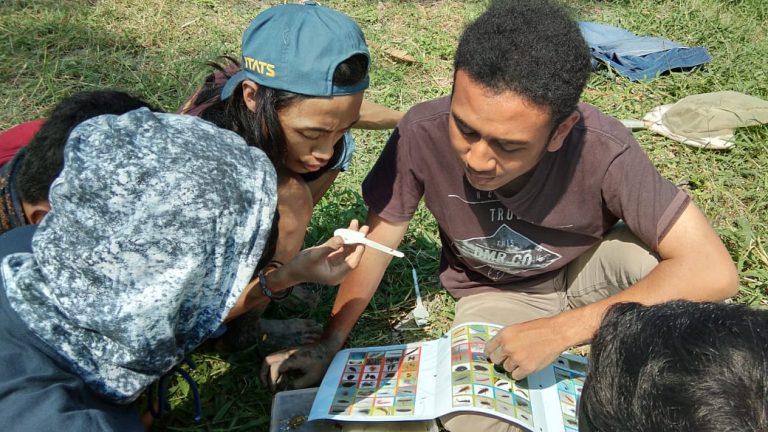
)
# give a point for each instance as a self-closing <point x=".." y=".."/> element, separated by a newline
<point x="426" y="380"/>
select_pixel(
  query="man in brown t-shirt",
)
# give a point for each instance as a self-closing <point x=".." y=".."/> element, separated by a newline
<point x="549" y="211"/>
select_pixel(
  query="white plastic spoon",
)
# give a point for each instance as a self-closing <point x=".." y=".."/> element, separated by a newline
<point x="355" y="237"/>
<point x="420" y="312"/>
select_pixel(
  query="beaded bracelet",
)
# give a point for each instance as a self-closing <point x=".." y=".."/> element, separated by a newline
<point x="268" y="292"/>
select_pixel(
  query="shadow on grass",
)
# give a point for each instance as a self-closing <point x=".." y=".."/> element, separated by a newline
<point x="231" y="397"/>
<point x="49" y="50"/>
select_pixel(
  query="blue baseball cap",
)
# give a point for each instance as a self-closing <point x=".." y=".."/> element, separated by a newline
<point x="297" y="47"/>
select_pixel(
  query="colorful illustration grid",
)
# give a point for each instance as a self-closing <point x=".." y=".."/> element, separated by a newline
<point x="478" y="383"/>
<point x="569" y="375"/>
<point x="378" y="383"/>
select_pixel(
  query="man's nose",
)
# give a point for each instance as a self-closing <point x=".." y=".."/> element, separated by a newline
<point x="480" y="157"/>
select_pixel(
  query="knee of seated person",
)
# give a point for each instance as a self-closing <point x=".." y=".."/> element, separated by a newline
<point x="293" y="193"/>
<point x="624" y="259"/>
<point x="704" y="365"/>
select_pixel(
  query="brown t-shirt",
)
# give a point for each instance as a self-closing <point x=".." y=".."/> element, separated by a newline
<point x="600" y="175"/>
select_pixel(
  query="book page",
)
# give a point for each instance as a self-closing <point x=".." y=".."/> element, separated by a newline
<point x="558" y="390"/>
<point x="477" y="385"/>
<point x="395" y="382"/>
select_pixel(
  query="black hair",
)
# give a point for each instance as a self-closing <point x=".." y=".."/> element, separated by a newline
<point x="261" y="128"/>
<point x="530" y="47"/>
<point x="44" y="157"/>
<point x="678" y="366"/>
<point x="351" y="71"/>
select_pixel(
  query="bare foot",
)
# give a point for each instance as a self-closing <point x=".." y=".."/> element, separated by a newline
<point x="268" y="335"/>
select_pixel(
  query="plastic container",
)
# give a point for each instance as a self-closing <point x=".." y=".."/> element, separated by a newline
<point x="291" y="408"/>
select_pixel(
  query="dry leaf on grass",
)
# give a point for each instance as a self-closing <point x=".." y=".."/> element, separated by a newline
<point x="396" y="53"/>
<point x="399" y="55"/>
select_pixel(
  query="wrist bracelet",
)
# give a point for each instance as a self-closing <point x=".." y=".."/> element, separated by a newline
<point x="268" y="292"/>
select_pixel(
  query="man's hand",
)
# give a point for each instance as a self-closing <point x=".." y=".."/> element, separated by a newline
<point x="328" y="263"/>
<point x="296" y="368"/>
<point x="525" y="348"/>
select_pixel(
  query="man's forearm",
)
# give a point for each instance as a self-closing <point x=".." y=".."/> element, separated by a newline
<point x="359" y="286"/>
<point x="697" y="269"/>
<point x="581" y="324"/>
<point x="694" y="266"/>
<point x="353" y="296"/>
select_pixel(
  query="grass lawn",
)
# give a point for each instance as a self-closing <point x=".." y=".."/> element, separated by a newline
<point x="157" y="49"/>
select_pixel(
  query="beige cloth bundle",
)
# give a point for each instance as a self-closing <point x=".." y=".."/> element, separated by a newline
<point x="707" y="120"/>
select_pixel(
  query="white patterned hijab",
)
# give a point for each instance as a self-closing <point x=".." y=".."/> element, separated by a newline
<point x="157" y="223"/>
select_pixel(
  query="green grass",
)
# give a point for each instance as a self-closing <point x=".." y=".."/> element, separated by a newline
<point x="158" y="49"/>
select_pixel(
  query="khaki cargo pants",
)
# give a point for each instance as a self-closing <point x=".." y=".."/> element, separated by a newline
<point x="617" y="262"/>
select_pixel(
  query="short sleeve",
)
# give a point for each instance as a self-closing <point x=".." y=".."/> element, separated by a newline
<point x="633" y="190"/>
<point x="346" y="151"/>
<point x="392" y="188"/>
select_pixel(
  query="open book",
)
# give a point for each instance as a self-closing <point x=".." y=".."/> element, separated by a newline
<point x="426" y="380"/>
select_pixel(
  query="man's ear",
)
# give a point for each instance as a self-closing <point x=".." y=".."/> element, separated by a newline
<point x="249" y="94"/>
<point x="562" y="131"/>
<point x="36" y="212"/>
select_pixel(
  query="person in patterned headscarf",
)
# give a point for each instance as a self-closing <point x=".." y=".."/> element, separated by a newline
<point x="152" y="242"/>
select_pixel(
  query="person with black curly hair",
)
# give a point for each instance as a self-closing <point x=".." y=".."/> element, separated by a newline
<point x="678" y="366"/>
<point x="549" y="211"/>
<point x="27" y="177"/>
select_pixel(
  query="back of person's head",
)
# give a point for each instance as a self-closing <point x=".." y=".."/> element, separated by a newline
<point x="678" y="366"/>
<point x="45" y="153"/>
<point x="530" y="47"/>
<point x="292" y="51"/>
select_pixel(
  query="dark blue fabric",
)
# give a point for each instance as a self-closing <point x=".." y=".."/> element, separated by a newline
<point x="17" y="240"/>
<point x="38" y="392"/>
<point x="639" y="57"/>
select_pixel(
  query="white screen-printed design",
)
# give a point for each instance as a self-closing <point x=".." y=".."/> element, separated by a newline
<point x="506" y="251"/>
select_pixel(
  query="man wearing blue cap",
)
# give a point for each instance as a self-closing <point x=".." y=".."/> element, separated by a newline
<point x="296" y="93"/>
<point x="297" y="48"/>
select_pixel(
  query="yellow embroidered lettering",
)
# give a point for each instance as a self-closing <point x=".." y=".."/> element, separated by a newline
<point x="260" y="67"/>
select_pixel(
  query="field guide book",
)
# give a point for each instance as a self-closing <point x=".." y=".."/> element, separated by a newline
<point x="425" y="380"/>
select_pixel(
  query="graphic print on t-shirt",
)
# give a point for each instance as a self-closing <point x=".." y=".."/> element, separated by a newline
<point x="506" y="251"/>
